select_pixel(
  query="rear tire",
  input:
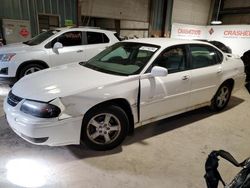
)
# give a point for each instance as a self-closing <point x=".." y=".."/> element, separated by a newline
<point x="104" y="128"/>
<point x="222" y="97"/>
<point x="29" y="69"/>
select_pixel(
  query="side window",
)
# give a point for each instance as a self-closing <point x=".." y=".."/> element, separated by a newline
<point x="202" y="56"/>
<point x="96" y="38"/>
<point x="174" y="59"/>
<point x="72" y="38"/>
<point x="117" y="36"/>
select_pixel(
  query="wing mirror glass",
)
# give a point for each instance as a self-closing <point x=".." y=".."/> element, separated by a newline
<point x="57" y="46"/>
<point x="159" y="71"/>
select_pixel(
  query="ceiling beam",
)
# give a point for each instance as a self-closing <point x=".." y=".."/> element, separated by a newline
<point x="238" y="10"/>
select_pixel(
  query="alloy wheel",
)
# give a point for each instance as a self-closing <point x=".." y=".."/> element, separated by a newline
<point x="103" y="128"/>
<point x="222" y="97"/>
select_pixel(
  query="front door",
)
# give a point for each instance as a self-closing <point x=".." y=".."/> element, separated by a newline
<point x="95" y="43"/>
<point x="72" y="50"/>
<point x="170" y="94"/>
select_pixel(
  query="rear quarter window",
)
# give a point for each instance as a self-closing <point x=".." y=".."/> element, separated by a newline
<point x="219" y="56"/>
<point x="117" y="36"/>
<point x="96" y="38"/>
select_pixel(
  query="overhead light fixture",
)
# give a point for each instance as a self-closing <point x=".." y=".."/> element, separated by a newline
<point x="217" y="22"/>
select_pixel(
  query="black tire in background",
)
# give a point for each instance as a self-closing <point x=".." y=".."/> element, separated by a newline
<point x="104" y="128"/>
<point x="29" y="69"/>
<point x="246" y="60"/>
<point x="222" y="97"/>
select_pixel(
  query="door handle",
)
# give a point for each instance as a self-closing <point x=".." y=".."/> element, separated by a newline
<point x="79" y="51"/>
<point x="186" y="77"/>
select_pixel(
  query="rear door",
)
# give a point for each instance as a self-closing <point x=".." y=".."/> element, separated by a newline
<point x="95" y="43"/>
<point x="206" y="72"/>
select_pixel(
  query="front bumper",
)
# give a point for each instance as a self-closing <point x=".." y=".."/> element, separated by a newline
<point x="8" y="69"/>
<point x="8" y="72"/>
<point x="8" y="80"/>
<point x="43" y="131"/>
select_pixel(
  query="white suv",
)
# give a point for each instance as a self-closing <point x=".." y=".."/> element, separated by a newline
<point x="52" y="48"/>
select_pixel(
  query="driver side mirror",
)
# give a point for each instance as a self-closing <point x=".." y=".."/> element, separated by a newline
<point x="159" y="71"/>
<point x="57" y="46"/>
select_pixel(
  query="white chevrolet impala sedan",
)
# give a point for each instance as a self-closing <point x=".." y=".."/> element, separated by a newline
<point x="129" y="84"/>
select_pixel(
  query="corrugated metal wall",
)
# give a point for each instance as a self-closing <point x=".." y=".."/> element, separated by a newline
<point x="134" y="10"/>
<point x="29" y="10"/>
<point x="156" y="17"/>
<point x="160" y="17"/>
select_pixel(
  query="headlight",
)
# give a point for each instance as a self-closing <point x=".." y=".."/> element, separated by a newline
<point x="6" y="57"/>
<point x="40" y="109"/>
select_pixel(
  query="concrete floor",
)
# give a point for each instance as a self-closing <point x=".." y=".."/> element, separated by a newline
<point x="169" y="153"/>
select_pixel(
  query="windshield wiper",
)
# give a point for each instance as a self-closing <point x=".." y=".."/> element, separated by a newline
<point x="83" y="63"/>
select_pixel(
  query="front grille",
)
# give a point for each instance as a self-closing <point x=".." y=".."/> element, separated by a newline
<point x="35" y="140"/>
<point x="4" y="71"/>
<point x="13" y="100"/>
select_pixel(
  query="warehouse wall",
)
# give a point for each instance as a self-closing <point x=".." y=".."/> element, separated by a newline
<point x="191" y="11"/>
<point x="136" y="10"/>
<point x="29" y="10"/>
<point x="132" y="15"/>
<point x="133" y="29"/>
<point x="126" y="28"/>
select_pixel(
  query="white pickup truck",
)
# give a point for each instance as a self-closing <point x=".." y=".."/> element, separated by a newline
<point x="52" y="48"/>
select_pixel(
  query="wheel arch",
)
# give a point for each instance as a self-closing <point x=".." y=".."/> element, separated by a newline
<point x="122" y="103"/>
<point x="229" y="81"/>
<point x="213" y="106"/>
<point x="39" y="62"/>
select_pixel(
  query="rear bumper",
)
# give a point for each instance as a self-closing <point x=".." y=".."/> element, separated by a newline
<point x="239" y="82"/>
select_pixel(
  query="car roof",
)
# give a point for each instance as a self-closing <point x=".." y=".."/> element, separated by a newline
<point x="83" y="29"/>
<point x="165" y="42"/>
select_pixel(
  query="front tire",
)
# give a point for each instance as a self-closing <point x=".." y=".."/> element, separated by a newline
<point x="29" y="69"/>
<point x="104" y="128"/>
<point x="222" y="97"/>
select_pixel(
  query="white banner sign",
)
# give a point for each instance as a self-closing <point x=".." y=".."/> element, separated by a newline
<point x="237" y="37"/>
<point x="184" y="31"/>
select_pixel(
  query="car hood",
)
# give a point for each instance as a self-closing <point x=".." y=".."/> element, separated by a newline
<point x="14" y="48"/>
<point x="62" y="81"/>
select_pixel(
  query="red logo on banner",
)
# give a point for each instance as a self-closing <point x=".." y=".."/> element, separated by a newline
<point x="237" y="33"/>
<point x="189" y="31"/>
<point x="211" y="31"/>
<point x="24" y="32"/>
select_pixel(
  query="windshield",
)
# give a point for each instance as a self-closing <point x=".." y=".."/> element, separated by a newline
<point x="124" y="58"/>
<point x="41" y="37"/>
